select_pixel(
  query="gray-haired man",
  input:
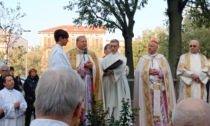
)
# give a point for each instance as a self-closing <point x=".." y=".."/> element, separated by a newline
<point x="59" y="97"/>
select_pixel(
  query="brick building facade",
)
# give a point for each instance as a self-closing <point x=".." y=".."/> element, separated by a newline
<point x="95" y="38"/>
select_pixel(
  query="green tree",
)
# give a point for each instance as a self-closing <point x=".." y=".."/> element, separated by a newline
<point x="10" y="27"/>
<point x="163" y="38"/>
<point x="139" y="49"/>
<point x="110" y="14"/>
<point x="201" y="16"/>
<point x="192" y="32"/>
<point x="17" y="59"/>
<point x="34" y="57"/>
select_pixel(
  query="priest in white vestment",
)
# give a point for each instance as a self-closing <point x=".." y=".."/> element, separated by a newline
<point x="115" y="83"/>
<point x="153" y="89"/>
<point x="58" y="56"/>
<point x="2" y="111"/>
<point x="193" y="73"/>
<point x="15" y="104"/>
<point x="86" y="63"/>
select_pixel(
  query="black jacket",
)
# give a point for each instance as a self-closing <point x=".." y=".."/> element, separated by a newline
<point x="29" y="89"/>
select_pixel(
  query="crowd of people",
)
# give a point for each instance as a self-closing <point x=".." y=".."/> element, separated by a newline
<point x="16" y="98"/>
<point x="63" y="94"/>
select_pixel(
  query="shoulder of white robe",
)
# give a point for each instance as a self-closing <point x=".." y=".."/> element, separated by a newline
<point x="145" y="57"/>
<point x="159" y="56"/>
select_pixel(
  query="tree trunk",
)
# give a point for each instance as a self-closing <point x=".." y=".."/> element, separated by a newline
<point x="129" y="55"/>
<point x="175" y="38"/>
<point x="7" y="54"/>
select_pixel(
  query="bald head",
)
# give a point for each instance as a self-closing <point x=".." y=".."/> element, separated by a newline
<point x="194" y="42"/>
<point x="191" y="112"/>
<point x="194" y="46"/>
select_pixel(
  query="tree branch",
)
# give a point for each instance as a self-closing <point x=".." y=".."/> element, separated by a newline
<point x="112" y="10"/>
<point x="104" y="19"/>
<point x="122" y="12"/>
<point x="183" y="4"/>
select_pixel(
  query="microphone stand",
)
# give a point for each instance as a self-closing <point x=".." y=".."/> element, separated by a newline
<point x="84" y="53"/>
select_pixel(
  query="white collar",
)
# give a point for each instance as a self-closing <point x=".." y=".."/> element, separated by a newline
<point x="152" y="55"/>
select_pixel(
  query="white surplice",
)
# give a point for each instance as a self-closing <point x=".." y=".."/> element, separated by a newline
<point x="194" y="61"/>
<point x="2" y="105"/>
<point x="115" y="85"/>
<point x="152" y="101"/>
<point x="58" y="57"/>
<point x="13" y="117"/>
<point x="47" y="122"/>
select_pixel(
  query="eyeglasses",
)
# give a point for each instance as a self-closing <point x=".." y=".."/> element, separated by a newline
<point x="192" y="46"/>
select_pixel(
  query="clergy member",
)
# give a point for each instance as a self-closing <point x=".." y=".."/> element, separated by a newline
<point x="58" y="56"/>
<point x="2" y="111"/>
<point x="193" y="73"/>
<point x="15" y="104"/>
<point x="115" y="83"/>
<point x="86" y="63"/>
<point x="153" y="89"/>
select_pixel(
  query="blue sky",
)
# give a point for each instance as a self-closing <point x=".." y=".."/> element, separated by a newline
<point x="44" y="14"/>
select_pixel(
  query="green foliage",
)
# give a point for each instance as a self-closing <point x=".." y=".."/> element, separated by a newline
<point x="199" y="13"/>
<point x="192" y="32"/>
<point x="110" y="14"/>
<point x="34" y="57"/>
<point x="100" y="117"/>
<point x="139" y="49"/>
<point x="17" y="59"/>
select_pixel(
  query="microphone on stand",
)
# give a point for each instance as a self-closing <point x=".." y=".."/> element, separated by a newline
<point x="85" y="51"/>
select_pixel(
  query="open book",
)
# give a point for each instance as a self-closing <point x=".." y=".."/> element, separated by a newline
<point x="114" y="65"/>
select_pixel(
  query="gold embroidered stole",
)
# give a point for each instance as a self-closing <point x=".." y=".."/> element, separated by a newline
<point x="187" y="67"/>
<point x="147" y="90"/>
<point x="167" y="85"/>
<point x="96" y="83"/>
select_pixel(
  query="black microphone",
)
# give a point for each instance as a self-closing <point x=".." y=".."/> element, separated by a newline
<point x="85" y="51"/>
<point x="83" y="58"/>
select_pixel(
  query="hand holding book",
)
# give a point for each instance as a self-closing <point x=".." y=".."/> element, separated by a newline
<point x="114" y="65"/>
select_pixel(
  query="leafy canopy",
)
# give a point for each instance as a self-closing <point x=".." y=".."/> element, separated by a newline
<point x="110" y="14"/>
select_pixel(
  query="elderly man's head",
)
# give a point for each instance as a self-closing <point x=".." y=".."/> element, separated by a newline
<point x="4" y="70"/>
<point x="194" y="46"/>
<point x="81" y="42"/>
<point x="152" y="47"/>
<point x="59" y="95"/>
<point x="191" y="112"/>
